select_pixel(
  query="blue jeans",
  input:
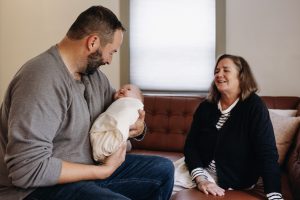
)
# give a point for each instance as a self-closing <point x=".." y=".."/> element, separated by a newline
<point x="139" y="177"/>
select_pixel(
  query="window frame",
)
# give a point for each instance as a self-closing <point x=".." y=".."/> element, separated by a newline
<point x="125" y="49"/>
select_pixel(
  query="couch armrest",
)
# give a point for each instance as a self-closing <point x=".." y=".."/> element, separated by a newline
<point x="293" y="167"/>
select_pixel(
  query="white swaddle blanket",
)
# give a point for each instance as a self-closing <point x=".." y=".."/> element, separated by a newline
<point x="111" y="128"/>
<point x="182" y="177"/>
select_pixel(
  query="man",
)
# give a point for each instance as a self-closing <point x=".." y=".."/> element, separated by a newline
<point x="46" y="115"/>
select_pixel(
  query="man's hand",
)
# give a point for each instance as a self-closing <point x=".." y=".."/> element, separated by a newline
<point x="137" y="128"/>
<point x="116" y="159"/>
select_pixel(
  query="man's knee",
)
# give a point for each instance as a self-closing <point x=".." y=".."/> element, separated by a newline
<point x="165" y="167"/>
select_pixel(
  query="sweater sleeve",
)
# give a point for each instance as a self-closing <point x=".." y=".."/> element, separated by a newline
<point x="191" y="151"/>
<point x="37" y="108"/>
<point x="265" y="146"/>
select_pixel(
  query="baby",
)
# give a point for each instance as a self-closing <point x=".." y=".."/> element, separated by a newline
<point x="111" y="128"/>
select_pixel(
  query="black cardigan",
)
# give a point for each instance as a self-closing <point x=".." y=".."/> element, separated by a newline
<point x="244" y="148"/>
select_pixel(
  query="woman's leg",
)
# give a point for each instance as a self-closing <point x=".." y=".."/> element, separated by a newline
<point x="142" y="177"/>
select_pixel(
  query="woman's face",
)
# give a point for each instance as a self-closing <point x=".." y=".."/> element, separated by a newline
<point x="227" y="77"/>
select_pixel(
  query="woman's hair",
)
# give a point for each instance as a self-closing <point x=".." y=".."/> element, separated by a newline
<point x="95" y="20"/>
<point x="247" y="81"/>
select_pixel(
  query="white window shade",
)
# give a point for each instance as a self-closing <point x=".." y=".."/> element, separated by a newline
<point x="172" y="44"/>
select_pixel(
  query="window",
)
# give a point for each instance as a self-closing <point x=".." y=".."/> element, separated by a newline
<point x="172" y="44"/>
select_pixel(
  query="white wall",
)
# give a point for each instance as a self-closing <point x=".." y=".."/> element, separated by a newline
<point x="29" y="27"/>
<point x="267" y="34"/>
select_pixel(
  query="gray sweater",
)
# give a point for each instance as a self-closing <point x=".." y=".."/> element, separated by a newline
<point x="45" y="118"/>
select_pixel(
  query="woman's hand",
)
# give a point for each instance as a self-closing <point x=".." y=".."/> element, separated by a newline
<point x="208" y="187"/>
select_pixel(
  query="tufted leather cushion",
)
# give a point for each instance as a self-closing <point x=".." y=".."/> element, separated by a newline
<point x="168" y="121"/>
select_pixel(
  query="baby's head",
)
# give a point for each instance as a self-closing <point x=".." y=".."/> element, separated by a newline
<point x="129" y="90"/>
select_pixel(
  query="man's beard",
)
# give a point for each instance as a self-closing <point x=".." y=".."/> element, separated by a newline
<point x="94" y="61"/>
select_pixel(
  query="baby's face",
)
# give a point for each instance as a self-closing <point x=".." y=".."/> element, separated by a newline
<point x="128" y="91"/>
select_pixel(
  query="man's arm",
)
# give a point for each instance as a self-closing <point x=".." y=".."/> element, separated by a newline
<point x="72" y="172"/>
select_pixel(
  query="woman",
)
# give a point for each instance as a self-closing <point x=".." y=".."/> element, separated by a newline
<point x="231" y="142"/>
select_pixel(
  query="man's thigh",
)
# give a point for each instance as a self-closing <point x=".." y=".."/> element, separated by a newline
<point x="75" y="191"/>
<point x="141" y="177"/>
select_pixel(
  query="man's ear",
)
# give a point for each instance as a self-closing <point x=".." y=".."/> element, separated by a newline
<point x="93" y="43"/>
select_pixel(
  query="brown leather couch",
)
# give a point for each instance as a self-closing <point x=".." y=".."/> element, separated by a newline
<point x="168" y="119"/>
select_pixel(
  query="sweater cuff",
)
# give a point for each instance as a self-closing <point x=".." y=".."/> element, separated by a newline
<point x="198" y="172"/>
<point x="274" y="196"/>
<point x="142" y="135"/>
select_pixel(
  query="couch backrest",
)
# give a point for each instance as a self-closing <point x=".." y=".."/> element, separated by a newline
<point x="285" y="102"/>
<point x="168" y="119"/>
